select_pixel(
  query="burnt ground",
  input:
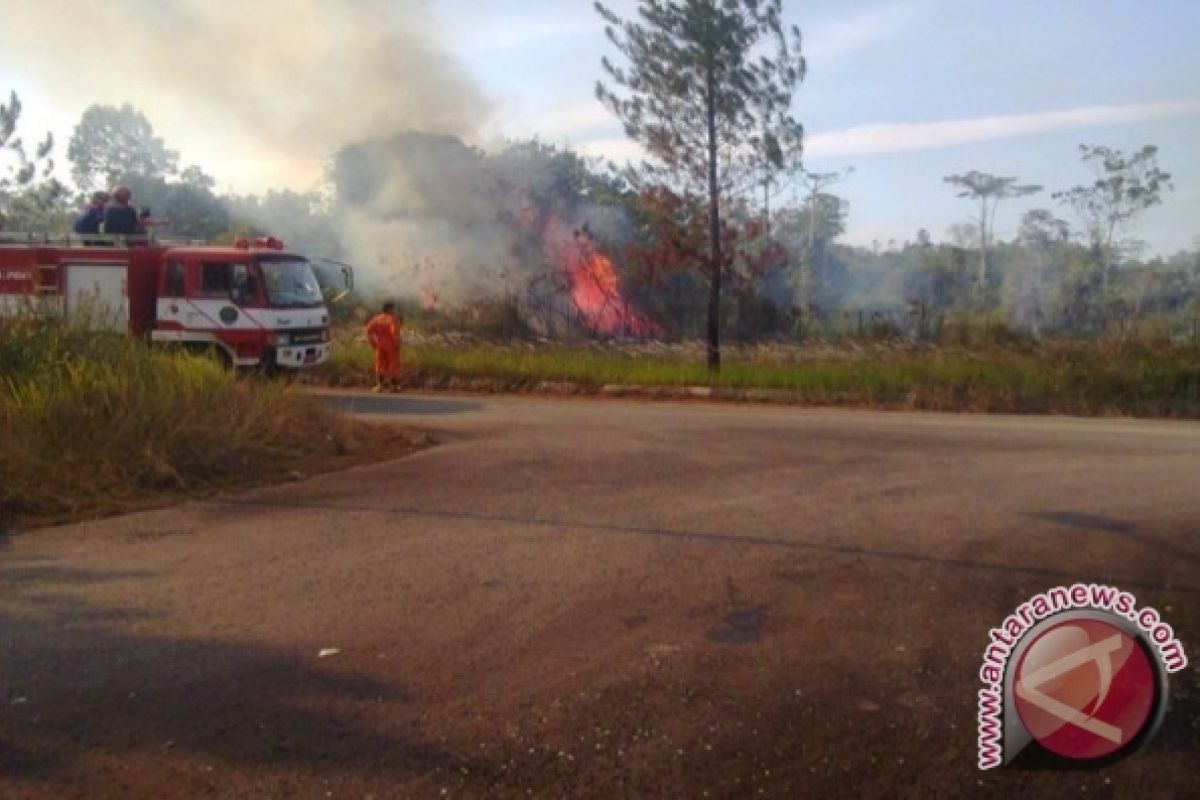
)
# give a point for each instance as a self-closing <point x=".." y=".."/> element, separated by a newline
<point x="596" y="599"/>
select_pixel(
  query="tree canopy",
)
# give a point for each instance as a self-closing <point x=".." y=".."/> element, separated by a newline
<point x="111" y="143"/>
<point x="989" y="190"/>
<point x="1124" y="187"/>
<point x="707" y="92"/>
<point x="28" y="190"/>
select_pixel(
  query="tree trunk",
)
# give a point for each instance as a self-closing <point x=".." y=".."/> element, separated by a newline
<point x="812" y="221"/>
<point x="982" y="282"/>
<point x="808" y="268"/>
<point x="767" y="207"/>
<point x="714" y="232"/>
<point x="1106" y="259"/>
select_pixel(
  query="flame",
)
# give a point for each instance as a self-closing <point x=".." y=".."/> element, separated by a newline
<point x="429" y="297"/>
<point x="594" y="288"/>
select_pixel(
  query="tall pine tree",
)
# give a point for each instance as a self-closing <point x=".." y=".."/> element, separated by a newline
<point x="707" y="92"/>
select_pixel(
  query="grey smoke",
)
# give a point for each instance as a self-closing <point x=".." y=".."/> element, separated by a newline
<point x="285" y="82"/>
<point x="274" y="89"/>
<point x="429" y="215"/>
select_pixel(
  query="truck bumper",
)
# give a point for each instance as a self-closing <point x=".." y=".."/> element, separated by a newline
<point x="301" y="355"/>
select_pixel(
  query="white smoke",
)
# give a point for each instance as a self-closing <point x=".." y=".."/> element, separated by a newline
<point x="265" y="89"/>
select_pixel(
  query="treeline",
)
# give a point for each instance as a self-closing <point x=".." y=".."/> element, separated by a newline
<point x="475" y="238"/>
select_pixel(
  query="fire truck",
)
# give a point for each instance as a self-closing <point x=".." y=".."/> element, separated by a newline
<point x="252" y="304"/>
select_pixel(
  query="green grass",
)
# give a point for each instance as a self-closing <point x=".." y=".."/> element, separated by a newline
<point x="93" y="422"/>
<point x="1084" y="378"/>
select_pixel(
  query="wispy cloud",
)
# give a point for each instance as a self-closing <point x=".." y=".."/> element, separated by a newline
<point x="523" y="33"/>
<point x="577" y="125"/>
<point x="828" y="41"/>
<point x="617" y="149"/>
<point x="580" y="118"/>
<point x="902" y="136"/>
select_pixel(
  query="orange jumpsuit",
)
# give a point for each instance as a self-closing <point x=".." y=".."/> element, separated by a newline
<point x="383" y="334"/>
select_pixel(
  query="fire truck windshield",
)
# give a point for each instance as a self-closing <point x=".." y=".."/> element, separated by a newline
<point x="290" y="283"/>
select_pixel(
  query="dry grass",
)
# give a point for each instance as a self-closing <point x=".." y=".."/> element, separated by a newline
<point x="92" y="424"/>
<point x="1084" y="378"/>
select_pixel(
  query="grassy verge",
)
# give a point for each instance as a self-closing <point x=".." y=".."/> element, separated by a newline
<point x="1071" y="378"/>
<point x="94" y="424"/>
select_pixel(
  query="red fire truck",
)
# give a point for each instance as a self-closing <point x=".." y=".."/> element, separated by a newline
<point x="252" y="303"/>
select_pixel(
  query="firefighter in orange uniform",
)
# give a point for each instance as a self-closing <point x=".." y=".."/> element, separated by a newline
<point x="383" y="334"/>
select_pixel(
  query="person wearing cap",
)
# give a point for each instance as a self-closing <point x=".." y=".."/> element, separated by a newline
<point x="383" y="334"/>
<point x="120" y="217"/>
<point x="89" y="221"/>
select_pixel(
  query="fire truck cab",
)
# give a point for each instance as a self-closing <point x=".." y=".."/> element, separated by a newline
<point x="253" y="303"/>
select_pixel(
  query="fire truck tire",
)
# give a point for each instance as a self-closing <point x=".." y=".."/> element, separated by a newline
<point x="268" y="367"/>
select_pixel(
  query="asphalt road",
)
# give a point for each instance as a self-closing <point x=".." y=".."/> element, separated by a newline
<point x="595" y="599"/>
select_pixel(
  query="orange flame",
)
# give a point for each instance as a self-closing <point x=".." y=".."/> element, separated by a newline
<point x="595" y="290"/>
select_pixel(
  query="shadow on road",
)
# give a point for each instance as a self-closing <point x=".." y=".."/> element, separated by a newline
<point x="74" y="683"/>
<point x="400" y="405"/>
<point x="1094" y="522"/>
<point x="43" y="574"/>
<point x="565" y="525"/>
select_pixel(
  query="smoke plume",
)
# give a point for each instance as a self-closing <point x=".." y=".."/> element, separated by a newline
<point x="431" y="216"/>
<point x="273" y="87"/>
<point x="264" y="93"/>
<point x="422" y="211"/>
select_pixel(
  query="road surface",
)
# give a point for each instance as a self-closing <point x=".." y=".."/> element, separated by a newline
<point x="595" y="599"/>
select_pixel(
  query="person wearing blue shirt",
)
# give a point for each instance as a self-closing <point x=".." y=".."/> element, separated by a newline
<point x="89" y="221"/>
<point x="120" y="217"/>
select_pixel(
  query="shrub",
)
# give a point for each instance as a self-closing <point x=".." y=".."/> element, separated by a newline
<point x="91" y="421"/>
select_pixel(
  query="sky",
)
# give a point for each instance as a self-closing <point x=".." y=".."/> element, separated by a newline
<point x="904" y="91"/>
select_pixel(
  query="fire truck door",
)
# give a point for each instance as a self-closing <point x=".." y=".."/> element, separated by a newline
<point x="97" y="295"/>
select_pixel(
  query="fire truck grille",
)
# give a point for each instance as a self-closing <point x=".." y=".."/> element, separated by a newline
<point x="313" y="336"/>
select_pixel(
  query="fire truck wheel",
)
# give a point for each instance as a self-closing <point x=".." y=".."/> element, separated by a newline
<point x="268" y="368"/>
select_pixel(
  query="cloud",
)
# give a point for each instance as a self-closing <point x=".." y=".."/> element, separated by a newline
<point x="906" y="136"/>
<point x="573" y="120"/>
<point x="514" y="34"/>
<point x="617" y="149"/>
<point x="831" y="40"/>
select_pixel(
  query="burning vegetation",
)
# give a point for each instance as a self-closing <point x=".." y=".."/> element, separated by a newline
<point x="593" y="286"/>
<point x="458" y="228"/>
<point x="552" y="244"/>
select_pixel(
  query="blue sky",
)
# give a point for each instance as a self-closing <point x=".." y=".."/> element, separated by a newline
<point x="905" y="91"/>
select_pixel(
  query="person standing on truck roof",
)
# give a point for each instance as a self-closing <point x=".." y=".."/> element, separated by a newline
<point x="89" y="221"/>
<point x="120" y="217"/>
<point x="383" y="334"/>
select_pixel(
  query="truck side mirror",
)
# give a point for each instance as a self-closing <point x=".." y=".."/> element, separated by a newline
<point x="333" y="294"/>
